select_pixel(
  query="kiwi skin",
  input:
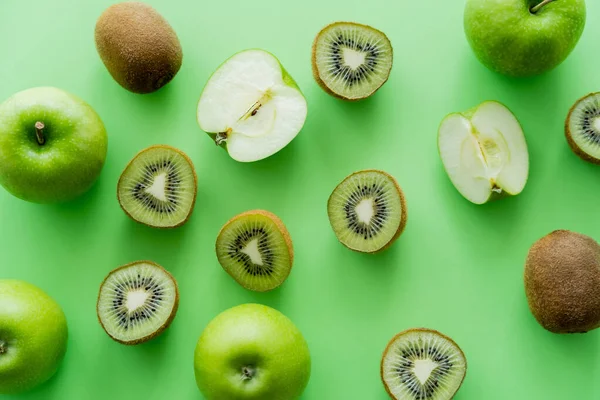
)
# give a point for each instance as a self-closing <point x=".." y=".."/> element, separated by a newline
<point x="315" y="70"/>
<point x="161" y="146"/>
<point x="280" y="225"/>
<point x="138" y="47"/>
<point x="580" y="153"/>
<point x="159" y="330"/>
<point x="562" y="282"/>
<point x="403" y="216"/>
<point x="389" y="345"/>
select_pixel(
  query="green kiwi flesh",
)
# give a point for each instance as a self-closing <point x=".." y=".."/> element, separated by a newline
<point x="367" y="211"/>
<point x="351" y="61"/>
<point x="137" y="302"/>
<point x="582" y="128"/>
<point x="422" y="364"/>
<point x="255" y="248"/>
<point x="158" y="187"/>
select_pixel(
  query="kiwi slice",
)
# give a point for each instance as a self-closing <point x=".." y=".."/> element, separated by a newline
<point x="255" y="248"/>
<point x="158" y="187"/>
<point x="137" y="302"/>
<point x="367" y="211"/>
<point x="422" y="364"/>
<point x="351" y="61"/>
<point x="582" y="128"/>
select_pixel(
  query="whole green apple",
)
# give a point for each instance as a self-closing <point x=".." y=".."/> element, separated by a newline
<point x="33" y="336"/>
<point x="523" y="38"/>
<point x="252" y="352"/>
<point x="52" y="145"/>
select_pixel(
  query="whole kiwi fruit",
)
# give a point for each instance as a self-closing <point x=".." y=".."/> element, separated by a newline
<point x="562" y="282"/>
<point x="138" y="47"/>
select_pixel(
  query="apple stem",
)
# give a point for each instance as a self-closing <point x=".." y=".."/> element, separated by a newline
<point x="39" y="132"/>
<point x="537" y="8"/>
<point x="2" y="347"/>
<point x="247" y="373"/>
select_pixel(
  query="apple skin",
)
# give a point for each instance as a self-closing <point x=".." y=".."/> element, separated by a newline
<point x="70" y="160"/>
<point x="33" y="335"/>
<point x="507" y="38"/>
<point x="259" y="337"/>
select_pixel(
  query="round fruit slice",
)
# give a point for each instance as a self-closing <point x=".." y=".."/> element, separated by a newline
<point x="158" y="187"/>
<point x="367" y="211"/>
<point x="422" y="364"/>
<point x="582" y="128"/>
<point x="351" y="61"/>
<point x="255" y="248"/>
<point x="137" y="302"/>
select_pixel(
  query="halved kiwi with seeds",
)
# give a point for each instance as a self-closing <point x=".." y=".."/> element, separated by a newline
<point x="422" y="364"/>
<point x="255" y="248"/>
<point x="582" y="128"/>
<point x="137" y="302"/>
<point x="351" y="61"/>
<point x="367" y="211"/>
<point x="158" y="187"/>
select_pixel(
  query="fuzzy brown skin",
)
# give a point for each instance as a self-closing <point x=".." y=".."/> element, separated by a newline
<point x="161" y="146"/>
<point x="159" y="330"/>
<point x="562" y="282"/>
<point x="391" y="342"/>
<point x="138" y="47"/>
<point x="315" y="70"/>
<point x="576" y="149"/>
<point x="284" y="232"/>
<point x="403" y="215"/>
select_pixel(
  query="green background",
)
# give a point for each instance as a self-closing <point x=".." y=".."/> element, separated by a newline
<point x="457" y="268"/>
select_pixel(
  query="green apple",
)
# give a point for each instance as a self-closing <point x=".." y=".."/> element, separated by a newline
<point x="33" y="336"/>
<point x="251" y="106"/>
<point x="523" y="38"/>
<point x="251" y="352"/>
<point x="52" y="145"/>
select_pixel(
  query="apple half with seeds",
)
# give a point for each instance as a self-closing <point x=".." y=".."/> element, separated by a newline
<point x="484" y="152"/>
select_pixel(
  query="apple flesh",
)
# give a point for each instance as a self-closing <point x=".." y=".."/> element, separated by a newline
<point x="484" y="152"/>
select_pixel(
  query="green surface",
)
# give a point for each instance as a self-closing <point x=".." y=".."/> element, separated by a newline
<point x="457" y="268"/>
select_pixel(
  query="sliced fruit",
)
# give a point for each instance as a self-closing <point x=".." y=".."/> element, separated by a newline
<point x="351" y="61"/>
<point x="252" y="106"/>
<point x="137" y="302"/>
<point x="255" y="248"/>
<point x="367" y="211"/>
<point x="484" y="152"/>
<point x="582" y="128"/>
<point x="158" y="187"/>
<point x="422" y="364"/>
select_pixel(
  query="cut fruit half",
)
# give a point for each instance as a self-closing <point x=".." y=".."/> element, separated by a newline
<point x="422" y="364"/>
<point x="158" y="187"/>
<point x="484" y="152"/>
<point x="255" y="248"/>
<point x="351" y="61"/>
<point x="137" y="302"/>
<point x="582" y="128"/>
<point x="252" y="106"/>
<point x="367" y="211"/>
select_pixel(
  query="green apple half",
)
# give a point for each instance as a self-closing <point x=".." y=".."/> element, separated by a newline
<point x="33" y="336"/>
<point x="251" y="352"/>
<point x="252" y="106"/>
<point x="484" y="152"/>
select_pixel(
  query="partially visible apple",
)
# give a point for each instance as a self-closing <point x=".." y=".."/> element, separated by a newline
<point x="33" y="336"/>
<point x="52" y="145"/>
<point x="251" y="352"/>
<point x="522" y="38"/>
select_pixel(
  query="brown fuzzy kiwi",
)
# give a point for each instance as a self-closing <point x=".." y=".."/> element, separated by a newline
<point x="161" y="329"/>
<point x="138" y="47"/>
<point x="562" y="282"/>
<point x="569" y="135"/>
<point x="315" y="68"/>
<point x="195" y="191"/>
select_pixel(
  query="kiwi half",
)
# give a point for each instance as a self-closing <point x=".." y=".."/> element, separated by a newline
<point x="137" y="302"/>
<point x="158" y="187"/>
<point x="367" y="211"/>
<point x="255" y="248"/>
<point x="422" y="364"/>
<point x="351" y="61"/>
<point x="582" y="128"/>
